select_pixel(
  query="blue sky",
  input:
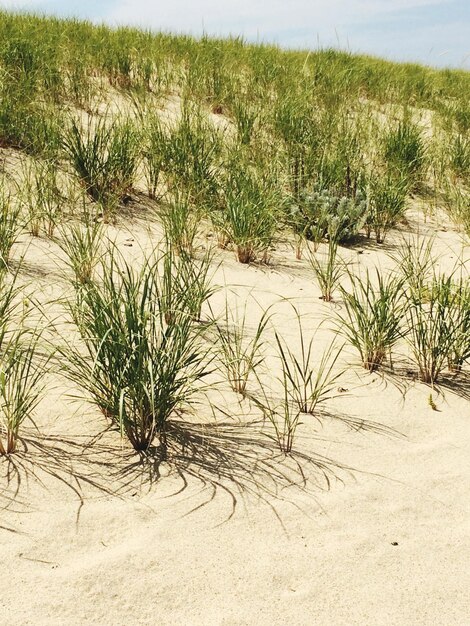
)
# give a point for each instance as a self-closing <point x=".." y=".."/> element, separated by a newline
<point x="434" y="32"/>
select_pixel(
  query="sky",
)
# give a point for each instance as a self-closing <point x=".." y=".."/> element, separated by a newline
<point x="433" y="32"/>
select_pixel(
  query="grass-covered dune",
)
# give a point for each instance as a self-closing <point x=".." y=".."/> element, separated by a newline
<point x="234" y="332"/>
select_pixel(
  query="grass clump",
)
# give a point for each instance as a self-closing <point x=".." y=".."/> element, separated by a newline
<point x="249" y="217"/>
<point x="438" y="328"/>
<point x="372" y="317"/>
<point x="405" y="152"/>
<point x="387" y="196"/>
<point x="41" y="196"/>
<point x="81" y="243"/>
<point x="181" y="221"/>
<point x="184" y="285"/>
<point x="9" y="227"/>
<point x="307" y="386"/>
<point x="103" y="155"/>
<point x="328" y="272"/>
<point x="188" y="154"/>
<point x="303" y="387"/>
<point x="22" y="369"/>
<point x="137" y="369"/>
<point x="239" y="350"/>
<point x="21" y="388"/>
<point x="283" y="414"/>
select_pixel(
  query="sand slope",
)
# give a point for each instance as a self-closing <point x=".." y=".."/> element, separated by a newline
<point x="89" y="539"/>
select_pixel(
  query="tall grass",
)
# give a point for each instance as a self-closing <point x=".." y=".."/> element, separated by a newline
<point x="137" y="369"/>
<point x="9" y="226"/>
<point x="372" y="316"/>
<point x="103" y="155"/>
<point x="240" y="346"/>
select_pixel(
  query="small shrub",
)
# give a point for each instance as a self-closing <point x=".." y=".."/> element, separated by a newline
<point x="319" y="215"/>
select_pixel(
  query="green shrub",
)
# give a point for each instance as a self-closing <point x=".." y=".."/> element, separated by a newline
<point x="320" y="214"/>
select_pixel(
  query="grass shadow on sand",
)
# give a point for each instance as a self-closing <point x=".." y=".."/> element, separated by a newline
<point x="229" y="457"/>
<point x="403" y="376"/>
<point x="458" y="384"/>
<point x="71" y="462"/>
<point x="236" y="459"/>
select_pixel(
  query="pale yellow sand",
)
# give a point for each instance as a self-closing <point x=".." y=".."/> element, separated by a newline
<point x="387" y="543"/>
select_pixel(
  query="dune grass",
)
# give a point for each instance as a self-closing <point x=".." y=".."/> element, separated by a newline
<point x="138" y="369"/>
<point x="372" y="315"/>
<point x="264" y="145"/>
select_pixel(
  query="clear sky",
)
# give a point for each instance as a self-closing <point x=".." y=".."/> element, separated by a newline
<point x="434" y="32"/>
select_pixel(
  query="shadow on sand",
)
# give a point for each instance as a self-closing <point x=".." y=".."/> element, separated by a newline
<point x="235" y="458"/>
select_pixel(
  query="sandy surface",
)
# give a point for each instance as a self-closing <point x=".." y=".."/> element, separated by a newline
<point x="378" y="534"/>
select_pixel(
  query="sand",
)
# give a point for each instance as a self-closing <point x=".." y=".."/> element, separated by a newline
<point x="378" y="534"/>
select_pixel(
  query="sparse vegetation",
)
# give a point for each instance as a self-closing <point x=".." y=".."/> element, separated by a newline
<point x="240" y="350"/>
<point x="256" y="147"/>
